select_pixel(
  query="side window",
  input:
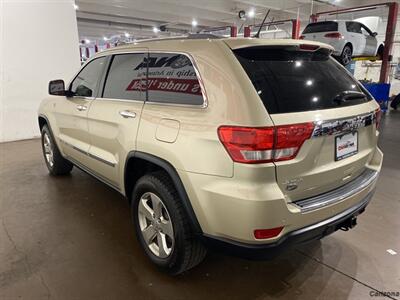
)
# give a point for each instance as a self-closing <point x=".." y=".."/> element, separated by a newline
<point x="85" y="84"/>
<point x="365" y="30"/>
<point x="357" y="27"/>
<point x="127" y="77"/>
<point x="353" y="27"/>
<point x="172" y="79"/>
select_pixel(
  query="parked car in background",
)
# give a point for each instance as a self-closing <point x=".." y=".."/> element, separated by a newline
<point x="348" y="38"/>
<point x="397" y="72"/>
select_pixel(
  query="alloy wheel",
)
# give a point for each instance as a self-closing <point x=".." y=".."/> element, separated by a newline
<point x="155" y="225"/>
<point x="48" y="150"/>
<point x="346" y="55"/>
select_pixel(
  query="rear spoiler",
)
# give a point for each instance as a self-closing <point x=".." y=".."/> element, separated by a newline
<point x="238" y="43"/>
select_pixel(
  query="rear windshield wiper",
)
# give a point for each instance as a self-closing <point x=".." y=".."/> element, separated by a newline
<point x="348" y="96"/>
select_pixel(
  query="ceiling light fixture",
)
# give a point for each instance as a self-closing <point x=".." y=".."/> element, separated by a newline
<point x="87" y="41"/>
<point x="251" y="13"/>
<point x="194" y="23"/>
<point x="127" y="34"/>
<point x="155" y="29"/>
<point x="105" y="38"/>
<point x="76" y="7"/>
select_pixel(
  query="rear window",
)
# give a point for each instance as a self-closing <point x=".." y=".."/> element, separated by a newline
<point x="353" y="27"/>
<point x="288" y="80"/>
<point x="321" y="27"/>
<point x="173" y="79"/>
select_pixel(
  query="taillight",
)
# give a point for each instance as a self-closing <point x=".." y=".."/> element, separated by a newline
<point x="302" y="37"/>
<point x="378" y="117"/>
<point x="248" y="145"/>
<point x="267" y="233"/>
<point x="308" y="47"/>
<point x="290" y="138"/>
<point x="264" y="144"/>
<point x="334" y="35"/>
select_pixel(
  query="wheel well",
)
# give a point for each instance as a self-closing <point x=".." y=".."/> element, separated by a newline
<point x="380" y="50"/>
<point x="349" y="44"/>
<point x="140" y="163"/>
<point x="42" y="122"/>
<point x="134" y="169"/>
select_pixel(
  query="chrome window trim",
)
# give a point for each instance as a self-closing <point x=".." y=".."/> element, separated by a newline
<point x="363" y="181"/>
<point x="79" y="71"/>
<point x="104" y="80"/>
<point x="99" y="55"/>
<point x="199" y="78"/>
<point x="195" y="67"/>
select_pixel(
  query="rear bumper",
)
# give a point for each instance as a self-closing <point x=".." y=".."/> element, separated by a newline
<point x="303" y="235"/>
<point x="366" y="179"/>
<point x="230" y="209"/>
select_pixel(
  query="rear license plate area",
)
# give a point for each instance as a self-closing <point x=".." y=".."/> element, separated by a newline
<point x="346" y="145"/>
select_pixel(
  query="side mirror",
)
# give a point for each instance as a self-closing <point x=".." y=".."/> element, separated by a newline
<point x="83" y="91"/>
<point x="374" y="34"/>
<point x="57" y="87"/>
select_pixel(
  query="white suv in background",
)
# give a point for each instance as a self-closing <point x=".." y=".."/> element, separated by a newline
<point x="348" y="38"/>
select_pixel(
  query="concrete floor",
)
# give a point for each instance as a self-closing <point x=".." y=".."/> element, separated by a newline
<point x="72" y="238"/>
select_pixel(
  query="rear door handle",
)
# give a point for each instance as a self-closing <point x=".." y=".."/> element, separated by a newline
<point x="127" y="114"/>
<point x="81" y="107"/>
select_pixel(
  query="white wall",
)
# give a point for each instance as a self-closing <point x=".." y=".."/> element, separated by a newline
<point x="38" y="42"/>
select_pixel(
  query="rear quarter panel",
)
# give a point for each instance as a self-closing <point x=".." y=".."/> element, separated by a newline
<point x="231" y="100"/>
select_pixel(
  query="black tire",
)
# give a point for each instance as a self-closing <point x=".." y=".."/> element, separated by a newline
<point x="187" y="251"/>
<point x="347" y="54"/>
<point x="59" y="165"/>
<point x="380" y="51"/>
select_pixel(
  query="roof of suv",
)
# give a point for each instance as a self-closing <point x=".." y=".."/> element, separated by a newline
<point x="234" y="43"/>
<point x="335" y="21"/>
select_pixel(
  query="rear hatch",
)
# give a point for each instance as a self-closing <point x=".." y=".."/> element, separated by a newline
<point x="321" y="31"/>
<point x="301" y="84"/>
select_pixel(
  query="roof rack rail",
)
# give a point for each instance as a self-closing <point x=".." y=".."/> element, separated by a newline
<point x="196" y="36"/>
<point x="191" y="36"/>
